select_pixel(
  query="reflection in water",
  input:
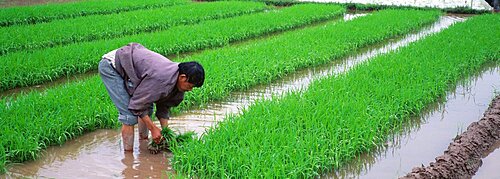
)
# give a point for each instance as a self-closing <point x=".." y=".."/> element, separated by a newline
<point x="97" y="154"/>
<point x="425" y="137"/>
<point x="491" y="164"/>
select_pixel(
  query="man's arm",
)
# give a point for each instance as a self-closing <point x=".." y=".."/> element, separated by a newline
<point x="155" y="131"/>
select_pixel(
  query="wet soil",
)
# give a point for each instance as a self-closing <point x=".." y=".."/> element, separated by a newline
<point x="462" y="159"/>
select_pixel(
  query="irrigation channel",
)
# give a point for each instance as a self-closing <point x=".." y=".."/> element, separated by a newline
<point x="426" y="136"/>
<point x="99" y="153"/>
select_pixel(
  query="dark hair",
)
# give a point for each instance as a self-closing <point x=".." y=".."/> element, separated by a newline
<point x="194" y="72"/>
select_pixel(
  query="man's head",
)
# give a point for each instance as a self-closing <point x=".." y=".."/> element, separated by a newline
<point x="191" y="74"/>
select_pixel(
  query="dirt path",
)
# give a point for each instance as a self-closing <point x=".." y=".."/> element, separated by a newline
<point x="462" y="159"/>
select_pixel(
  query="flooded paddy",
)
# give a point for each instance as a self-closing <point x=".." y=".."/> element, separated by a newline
<point x="99" y="154"/>
<point x="427" y="136"/>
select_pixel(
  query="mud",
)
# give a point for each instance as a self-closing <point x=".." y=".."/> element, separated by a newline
<point x="462" y="159"/>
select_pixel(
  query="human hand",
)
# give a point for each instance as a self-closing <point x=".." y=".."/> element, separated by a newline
<point x="156" y="134"/>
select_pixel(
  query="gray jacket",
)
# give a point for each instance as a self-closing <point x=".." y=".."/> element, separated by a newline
<point x="149" y="78"/>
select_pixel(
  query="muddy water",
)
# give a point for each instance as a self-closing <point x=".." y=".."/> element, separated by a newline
<point x="98" y="154"/>
<point x="491" y="164"/>
<point x="94" y="155"/>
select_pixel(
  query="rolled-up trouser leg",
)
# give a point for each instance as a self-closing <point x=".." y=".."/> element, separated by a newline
<point x="118" y="94"/>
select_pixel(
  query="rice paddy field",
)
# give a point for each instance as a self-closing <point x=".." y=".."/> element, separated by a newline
<point x="317" y="127"/>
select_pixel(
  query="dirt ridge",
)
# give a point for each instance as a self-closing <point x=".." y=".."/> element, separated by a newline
<point x="463" y="157"/>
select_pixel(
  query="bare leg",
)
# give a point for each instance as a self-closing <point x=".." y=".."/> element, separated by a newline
<point x="163" y="122"/>
<point x="128" y="137"/>
<point x="143" y="131"/>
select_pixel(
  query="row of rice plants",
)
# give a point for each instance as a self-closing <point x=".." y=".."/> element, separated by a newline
<point x="3" y="161"/>
<point x="53" y="116"/>
<point x="238" y="68"/>
<point x="29" y="68"/>
<point x="89" y="28"/>
<point x="48" y="12"/>
<point x="302" y="135"/>
<point x="38" y="120"/>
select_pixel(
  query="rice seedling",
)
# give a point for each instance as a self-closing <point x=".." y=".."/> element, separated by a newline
<point x="90" y="28"/>
<point x="58" y="114"/>
<point x="30" y="68"/>
<point x="170" y="139"/>
<point x="49" y="12"/>
<point x="305" y="134"/>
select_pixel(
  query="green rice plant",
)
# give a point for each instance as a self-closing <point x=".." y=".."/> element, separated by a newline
<point x="90" y="28"/>
<point x="48" y="12"/>
<point x="57" y="114"/>
<point x="305" y="134"/>
<point x="238" y="68"/>
<point x="62" y="116"/>
<point x="170" y="139"/>
<point x="3" y="161"/>
<point x="29" y="68"/>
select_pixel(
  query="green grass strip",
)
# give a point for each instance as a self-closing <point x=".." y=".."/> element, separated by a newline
<point x="53" y="116"/>
<point x="90" y="28"/>
<point x="337" y="118"/>
<point x="52" y="11"/>
<point x="30" y="68"/>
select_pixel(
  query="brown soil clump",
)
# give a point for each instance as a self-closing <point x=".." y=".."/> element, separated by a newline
<point x="462" y="159"/>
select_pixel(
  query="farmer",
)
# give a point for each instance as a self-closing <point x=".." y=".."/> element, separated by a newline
<point x="136" y="78"/>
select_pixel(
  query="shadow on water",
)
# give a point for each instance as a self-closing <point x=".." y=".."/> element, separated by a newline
<point x="98" y="154"/>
